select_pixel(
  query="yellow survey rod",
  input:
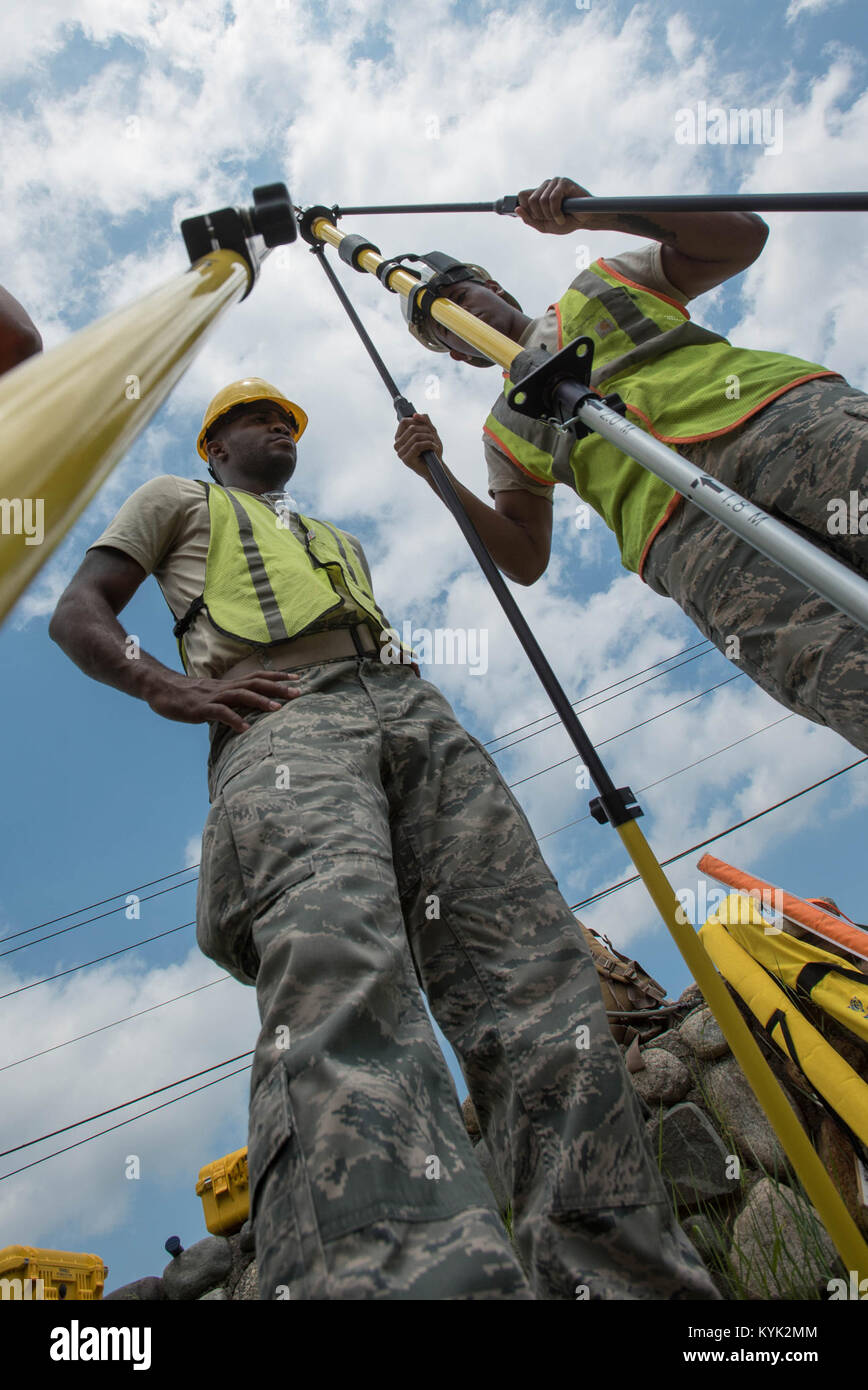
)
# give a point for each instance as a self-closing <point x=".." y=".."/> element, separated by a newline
<point x="836" y="1218"/>
<point x="806" y="1162"/>
<point x="68" y="415"/>
<point x="495" y="345"/>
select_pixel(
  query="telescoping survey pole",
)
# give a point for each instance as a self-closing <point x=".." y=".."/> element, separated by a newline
<point x="616" y="805"/>
<point x="68" y="415"/>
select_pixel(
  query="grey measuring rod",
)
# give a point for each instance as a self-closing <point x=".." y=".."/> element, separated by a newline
<point x="555" y="387"/>
<point x="828" y="577"/>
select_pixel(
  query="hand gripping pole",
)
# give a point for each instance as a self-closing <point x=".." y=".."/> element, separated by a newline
<point x="616" y="805"/>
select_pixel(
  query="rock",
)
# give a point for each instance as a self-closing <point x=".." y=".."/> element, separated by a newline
<point x="732" y="1103"/>
<point x="779" y="1246"/>
<point x="692" y="1156"/>
<point x="246" y="1241"/>
<point x="836" y="1154"/>
<point x="471" y="1120"/>
<point x="702" y="1032"/>
<point x="214" y="1295"/>
<point x="147" y="1290"/>
<point x="200" y="1268"/>
<point x="486" y="1163"/>
<point x="672" y="1041"/>
<point x="664" y="1079"/>
<point x="247" y="1288"/>
<point x="240" y="1260"/>
<point x="690" y="997"/>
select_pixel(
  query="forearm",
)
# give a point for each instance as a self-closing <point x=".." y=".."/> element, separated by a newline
<point x="703" y="236"/>
<point x="508" y="543"/>
<point x="88" y="632"/>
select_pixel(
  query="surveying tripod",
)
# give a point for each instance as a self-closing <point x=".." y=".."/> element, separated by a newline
<point x="107" y="381"/>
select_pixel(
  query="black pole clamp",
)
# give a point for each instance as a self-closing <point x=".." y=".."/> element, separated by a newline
<point x="552" y="387"/>
<point x="234" y="229"/>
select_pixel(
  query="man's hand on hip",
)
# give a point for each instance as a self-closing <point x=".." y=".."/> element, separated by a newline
<point x="199" y="700"/>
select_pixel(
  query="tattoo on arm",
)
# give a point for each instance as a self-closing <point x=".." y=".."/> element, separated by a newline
<point x="643" y="226"/>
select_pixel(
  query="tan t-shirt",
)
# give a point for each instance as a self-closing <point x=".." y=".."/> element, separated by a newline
<point x="645" y="267"/>
<point x="165" y="526"/>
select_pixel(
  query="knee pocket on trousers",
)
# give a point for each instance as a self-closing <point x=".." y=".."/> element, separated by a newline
<point x="282" y="1212"/>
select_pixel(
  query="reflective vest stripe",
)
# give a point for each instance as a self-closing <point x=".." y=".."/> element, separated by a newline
<point x="258" y="574"/>
<point x="646" y="289"/>
<point x="617" y="302"/>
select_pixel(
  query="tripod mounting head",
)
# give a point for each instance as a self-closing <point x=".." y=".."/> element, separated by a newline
<point x="271" y="217"/>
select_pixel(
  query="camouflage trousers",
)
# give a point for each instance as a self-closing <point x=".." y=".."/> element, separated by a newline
<point x="805" y="451"/>
<point x="361" y="848"/>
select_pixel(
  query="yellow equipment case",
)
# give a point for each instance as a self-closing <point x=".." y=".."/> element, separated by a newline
<point x="26" y="1272"/>
<point x="224" y="1188"/>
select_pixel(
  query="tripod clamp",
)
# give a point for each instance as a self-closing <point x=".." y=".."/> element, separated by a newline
<point x="551" y="387"/>
<point x="233" y="229"/>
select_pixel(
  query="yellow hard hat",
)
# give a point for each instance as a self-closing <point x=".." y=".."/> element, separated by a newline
<point x="252" y="388"/>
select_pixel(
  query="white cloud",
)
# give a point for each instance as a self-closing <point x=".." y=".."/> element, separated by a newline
<point x="809" y="7"/>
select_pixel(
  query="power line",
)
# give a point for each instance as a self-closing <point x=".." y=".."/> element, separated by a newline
<point x="625" y="882"/>
<point x="34" y="1163"/>
<point x="670" y="775"/>
<point x="584" y="903"/>
<point x="102" y="901"/>
<point x="190" y="867"/>
<point x="33" y="1055"/>
<point x="101" y="1114"/>
<point x="594" y="693"/>
<point x="96" y="961"/>
<point x="25" y="945"/>
<point x="611" y="739"/>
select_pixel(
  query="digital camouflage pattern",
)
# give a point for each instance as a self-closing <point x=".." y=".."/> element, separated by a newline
<point x="805" y="451"/>
<point x="362" y="845"/>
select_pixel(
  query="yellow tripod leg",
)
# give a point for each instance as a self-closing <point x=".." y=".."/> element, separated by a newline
<point x="68" y="415"/>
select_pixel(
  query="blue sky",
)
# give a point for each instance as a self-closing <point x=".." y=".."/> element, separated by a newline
<point x="105" y="795"/>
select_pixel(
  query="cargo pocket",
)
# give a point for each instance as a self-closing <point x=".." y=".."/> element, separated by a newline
<point x="266" y="825"/>
<point x="223" y="923"/>
<point x="289" y="1250"/>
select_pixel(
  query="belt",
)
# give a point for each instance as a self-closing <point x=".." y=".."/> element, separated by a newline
<point x="316" y="647"/>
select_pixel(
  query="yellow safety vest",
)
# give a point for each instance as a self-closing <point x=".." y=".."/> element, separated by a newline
<point x="680" y="382"/>
<point x="262" y="584"/>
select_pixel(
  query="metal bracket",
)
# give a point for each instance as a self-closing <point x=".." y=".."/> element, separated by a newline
<point x="233" y="229"/>
<point x="550" y="387"/>
<point x="618" y="809"/>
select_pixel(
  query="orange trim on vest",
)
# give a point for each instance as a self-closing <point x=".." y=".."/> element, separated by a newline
<point x="557" y="309"/>
<point x="500" y="444"/>
<point x="713" y="434"/>
<point x="667" y="516"/>
<point x="647" y="288"/>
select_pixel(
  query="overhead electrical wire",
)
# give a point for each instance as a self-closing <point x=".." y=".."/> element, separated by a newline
<point x="625" y="882"/>
<point x="34" y="1163"/>
<point x="613" y="888"/>
<point x="648" y="785"/>
<point x="51" y="920"/>
<point x="120" y="907"/>
<point x="111" y="1110"/>
<point x="221" y="980"/>
<point x="592" y="695"/>
<point x="96" y="961"/>
<point x="611" y="739"/>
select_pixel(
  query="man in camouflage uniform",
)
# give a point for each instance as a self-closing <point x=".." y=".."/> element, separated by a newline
<point x="799" y="450"/>
<point x="361" y="847"/>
